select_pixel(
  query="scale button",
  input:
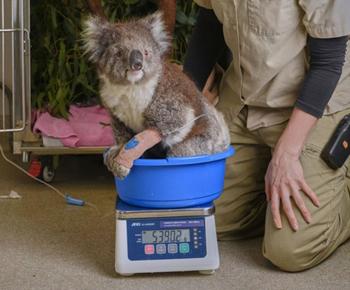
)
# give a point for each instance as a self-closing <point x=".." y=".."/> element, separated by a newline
<point x="184" y="248"/>
<point x="149" y="249"/>
<point x="172" y="248"/>
<point x="161" y="249"/>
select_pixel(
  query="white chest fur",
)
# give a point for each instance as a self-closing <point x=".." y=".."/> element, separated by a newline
<point x="128" y="102"/>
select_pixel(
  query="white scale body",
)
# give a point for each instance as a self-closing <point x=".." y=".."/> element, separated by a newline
<point x="165" y="240"/>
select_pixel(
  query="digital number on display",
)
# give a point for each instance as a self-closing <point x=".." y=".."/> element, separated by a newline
<point x="166" y="236"/>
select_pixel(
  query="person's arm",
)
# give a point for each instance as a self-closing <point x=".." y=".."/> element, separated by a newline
<point x="284" y="178"/>
<point x="327" y="58"/>
<point x="206" y="46"/>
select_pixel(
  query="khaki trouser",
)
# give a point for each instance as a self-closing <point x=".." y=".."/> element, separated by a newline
<point x="241" y="210"/>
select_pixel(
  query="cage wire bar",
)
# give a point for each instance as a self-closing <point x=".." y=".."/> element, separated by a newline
<point x="15" y="65"/>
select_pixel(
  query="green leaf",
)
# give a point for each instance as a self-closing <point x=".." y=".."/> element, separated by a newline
<point x="84" y="82"/>
<point x="181" y="17"/>
<point x="62" y="56"/>
<point x="53" y="17"/>
<point x="192" y="20"/>
<point x="83" y="67"/>
<point x="50" y="67"/>
<point x="131" y="2"/>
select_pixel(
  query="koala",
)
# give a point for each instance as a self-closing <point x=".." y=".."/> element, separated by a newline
<point x="151" y="101"/>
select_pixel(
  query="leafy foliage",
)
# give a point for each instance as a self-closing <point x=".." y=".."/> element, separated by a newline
<point x="61" y="74"/>
<point x="186" y="14"/>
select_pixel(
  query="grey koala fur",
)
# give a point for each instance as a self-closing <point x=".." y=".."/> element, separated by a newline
<point x="142" y="90"/>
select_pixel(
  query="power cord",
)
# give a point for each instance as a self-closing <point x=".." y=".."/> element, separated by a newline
<point x="69" y="199"/>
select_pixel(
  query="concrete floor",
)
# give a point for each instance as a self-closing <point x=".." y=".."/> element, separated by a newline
<point x="46" y="244"/>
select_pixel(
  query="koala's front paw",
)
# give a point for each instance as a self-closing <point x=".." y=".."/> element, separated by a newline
<point x="110" y="161"/>
<point x="120" y="171"/>
<point x="109" y="157"/>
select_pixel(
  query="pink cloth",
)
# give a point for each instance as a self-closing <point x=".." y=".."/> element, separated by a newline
<point x="87" y="126"/>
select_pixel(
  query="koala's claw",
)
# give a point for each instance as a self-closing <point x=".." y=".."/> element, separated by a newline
<point x="117" y="169"/>
<point x="112" y="165"/>
<point x="120" y="171"/>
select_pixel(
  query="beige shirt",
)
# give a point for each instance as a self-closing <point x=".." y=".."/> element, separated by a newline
<point x="268" y="42"/>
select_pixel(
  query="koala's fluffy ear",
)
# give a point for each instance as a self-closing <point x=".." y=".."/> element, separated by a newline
<point x="97" y="35"/>
<point x="156" y="24"/>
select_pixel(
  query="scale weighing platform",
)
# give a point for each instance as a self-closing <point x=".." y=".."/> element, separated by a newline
<point x="165" y="240"/>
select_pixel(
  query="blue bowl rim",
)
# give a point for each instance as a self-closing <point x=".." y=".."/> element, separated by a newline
<point x="186" y="160"/>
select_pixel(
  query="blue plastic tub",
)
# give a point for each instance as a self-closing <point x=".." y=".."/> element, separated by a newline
<point x="174" y="182"/>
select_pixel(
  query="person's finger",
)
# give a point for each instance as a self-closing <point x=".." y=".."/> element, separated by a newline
<point x="267" y="191"/>
<point x="267" y="186"/>
<point x="275" y="208"/>
<point x="209" y="84"/>
<point x="310" y="193"/>
<point x="300" y="203"/>
<point x="211" y="97"/>
<point x="288" y="209"/>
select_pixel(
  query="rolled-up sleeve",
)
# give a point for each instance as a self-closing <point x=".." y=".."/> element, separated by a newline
<point x="326" y="18"/>
<point x="204" y="3"/>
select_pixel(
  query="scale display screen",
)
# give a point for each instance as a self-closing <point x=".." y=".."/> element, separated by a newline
<point x="166" y="236"/>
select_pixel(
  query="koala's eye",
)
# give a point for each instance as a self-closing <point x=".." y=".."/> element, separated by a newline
<point x="119" y="54"/>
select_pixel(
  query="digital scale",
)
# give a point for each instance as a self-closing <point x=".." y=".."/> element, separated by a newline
<point x="165" y="240"/>
<point x="165" y="214"/>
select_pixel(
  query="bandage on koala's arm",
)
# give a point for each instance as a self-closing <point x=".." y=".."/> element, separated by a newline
<point x="135" y="148"/>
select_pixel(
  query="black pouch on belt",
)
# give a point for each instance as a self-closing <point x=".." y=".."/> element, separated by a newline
<point x="337" y="150"/>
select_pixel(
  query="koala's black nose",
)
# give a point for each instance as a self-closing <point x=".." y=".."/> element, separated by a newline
<point x="136" y="60"/>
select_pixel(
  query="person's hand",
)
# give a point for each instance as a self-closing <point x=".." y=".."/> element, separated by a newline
<point x="284" y="181"/>
<point x="210" y="90"/>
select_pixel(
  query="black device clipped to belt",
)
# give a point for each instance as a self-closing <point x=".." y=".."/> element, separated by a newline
<point x="337" y="150"/>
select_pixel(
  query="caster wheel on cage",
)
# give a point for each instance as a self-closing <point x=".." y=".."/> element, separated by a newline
<point x="47" y="173"/>
<point x="43" y="168"/>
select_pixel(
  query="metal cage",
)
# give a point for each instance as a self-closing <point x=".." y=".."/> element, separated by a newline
<point x="15" y="87"/>
<point x="14" y="65"/>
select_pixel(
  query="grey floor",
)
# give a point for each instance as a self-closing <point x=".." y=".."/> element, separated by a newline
<point x="46" y="244"/>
